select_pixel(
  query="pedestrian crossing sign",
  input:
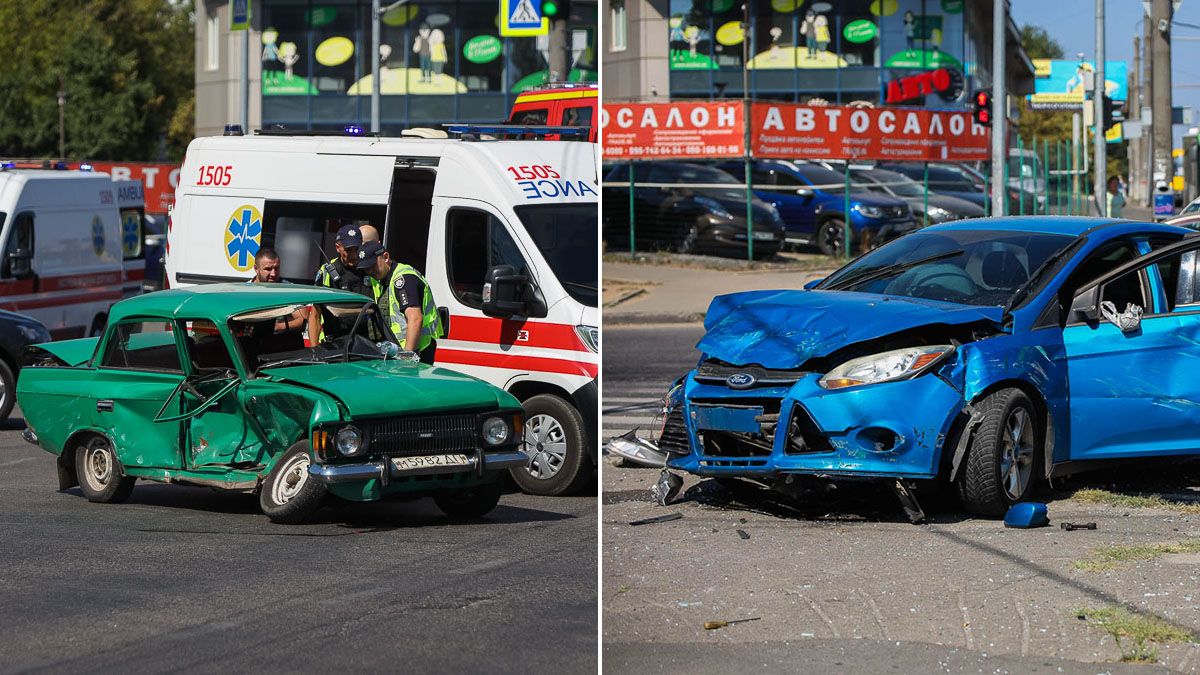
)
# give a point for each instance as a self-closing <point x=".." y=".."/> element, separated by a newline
<point x="522" y="18"/>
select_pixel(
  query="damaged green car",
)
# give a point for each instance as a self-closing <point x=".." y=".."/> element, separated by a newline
<point x="206" y="386"/>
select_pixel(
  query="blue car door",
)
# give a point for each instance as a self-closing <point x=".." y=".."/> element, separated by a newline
<point x="791" y="196"/>
<point x="1132" y="380"/>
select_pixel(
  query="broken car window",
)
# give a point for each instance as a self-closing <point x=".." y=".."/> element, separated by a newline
<point x="972" y="267"/>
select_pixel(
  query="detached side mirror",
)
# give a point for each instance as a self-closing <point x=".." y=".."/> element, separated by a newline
<point x="503" y="290"/>
<point x="813" y="284"/>
<point x="19" y="263"/>
<point x="1086" y="306"/>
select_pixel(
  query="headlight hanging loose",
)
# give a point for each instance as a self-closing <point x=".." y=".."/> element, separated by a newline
<point x="897" y="364"/>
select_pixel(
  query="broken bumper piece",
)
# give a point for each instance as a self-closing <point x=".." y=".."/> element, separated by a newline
<point x="640" y="450"/>
<point x="887" y="430"/>
<point x="349" y="473"/>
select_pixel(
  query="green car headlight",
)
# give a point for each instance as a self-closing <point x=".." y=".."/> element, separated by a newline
<point x="495" y="431"/>
<point x="348" y="441"/>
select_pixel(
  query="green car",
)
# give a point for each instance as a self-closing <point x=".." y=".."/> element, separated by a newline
<point x="205" y="386"/>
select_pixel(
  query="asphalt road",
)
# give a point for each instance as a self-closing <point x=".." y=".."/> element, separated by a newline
<point x="839" y="580"/>
<point x="189" y="579"/>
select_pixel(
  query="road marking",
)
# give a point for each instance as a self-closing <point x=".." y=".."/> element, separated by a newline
<point x="17" y="461"/>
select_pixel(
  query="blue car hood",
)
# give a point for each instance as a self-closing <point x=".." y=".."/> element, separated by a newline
<point x="784" y="329"/>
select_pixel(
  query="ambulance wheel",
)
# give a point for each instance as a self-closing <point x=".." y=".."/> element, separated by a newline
<point x="556" y="442"/>
<point x="472" y="502"/>
<point x="8" y="390"/>
<point x="1000" y="468"/>
<point x="290" y="494"/>
<point x="100" y="476"/>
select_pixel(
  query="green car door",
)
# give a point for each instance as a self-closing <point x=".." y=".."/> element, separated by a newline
<point x="219" y="432"/>
<point x="139" y="372"/>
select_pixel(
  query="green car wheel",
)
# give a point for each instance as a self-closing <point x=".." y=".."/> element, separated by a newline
<point x="100" y="476"/>
<point x="290" y="495"/>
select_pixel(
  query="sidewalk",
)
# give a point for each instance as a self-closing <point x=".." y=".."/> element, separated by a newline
<point x="664" y="294"/>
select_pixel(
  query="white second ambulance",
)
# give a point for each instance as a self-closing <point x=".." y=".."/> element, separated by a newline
<point x="505" y="232"/>
<point x="62" y="246"/>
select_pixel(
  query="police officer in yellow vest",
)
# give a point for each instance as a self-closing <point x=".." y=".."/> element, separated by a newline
<point x="341" y="271"/>
<point x="406" y="302"/>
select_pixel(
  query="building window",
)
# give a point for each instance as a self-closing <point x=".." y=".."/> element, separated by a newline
<point x="619" y="26"/>
<point x="214" y="42"/>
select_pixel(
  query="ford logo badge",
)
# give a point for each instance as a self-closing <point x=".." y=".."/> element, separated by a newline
<point x="741" y="381"/>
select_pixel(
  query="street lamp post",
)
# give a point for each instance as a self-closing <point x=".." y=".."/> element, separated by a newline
<point x="377" y="13"/>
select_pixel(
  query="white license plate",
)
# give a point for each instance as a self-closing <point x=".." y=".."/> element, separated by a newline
<point x="431" y="461"/>
<point x="764" y="236"/>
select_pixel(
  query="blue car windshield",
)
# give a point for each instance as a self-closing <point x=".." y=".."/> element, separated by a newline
<point x="969" y="267"/>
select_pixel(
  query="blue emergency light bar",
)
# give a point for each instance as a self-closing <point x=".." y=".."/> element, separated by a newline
<point x="517" y="130"/>
<point x="85" y="167"/>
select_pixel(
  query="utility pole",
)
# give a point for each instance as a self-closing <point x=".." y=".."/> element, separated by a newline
<point x="999" y="107"/>
<point x="1134" y="105"/>
<point x="1100" y="165"/>
<point x="244" y="80"/>
<point x="560" y="50"/>
<point x="1147" y="167"/>
<point x="375" y="12"/>
<point x="1160" y="81"/>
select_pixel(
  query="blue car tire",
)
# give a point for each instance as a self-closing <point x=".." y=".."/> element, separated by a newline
<point x="1002" y="458"/>
<point x="831" y="237"/>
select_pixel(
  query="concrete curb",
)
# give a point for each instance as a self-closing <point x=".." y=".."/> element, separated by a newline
<point x="635" y="318"/>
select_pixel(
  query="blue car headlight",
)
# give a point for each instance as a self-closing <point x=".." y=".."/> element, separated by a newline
<point x="897" y="364"/>
<point x="714" y="207"/>
<point x="869" y="211"/>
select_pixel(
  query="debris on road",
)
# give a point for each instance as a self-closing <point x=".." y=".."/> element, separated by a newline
<point x="713" y="625"/>
<point x="657" y="519"/>
<point x="1026" y="514"/>
<point x="908" y="500"/>
<point x="667" y="486"/>
<point x="743" y="534"/>
<point x="639" y="450"/>
<point x="1077" y="526"/>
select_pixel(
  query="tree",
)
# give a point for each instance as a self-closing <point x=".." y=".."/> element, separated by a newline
<point x="126" y="67"/>
<point x="1038" y="43"/>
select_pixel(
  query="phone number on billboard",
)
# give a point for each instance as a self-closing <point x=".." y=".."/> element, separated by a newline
<point x="674" y="151"/>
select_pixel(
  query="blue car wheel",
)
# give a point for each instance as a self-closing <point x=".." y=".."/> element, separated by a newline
<point x="1002" y="459"/>
<point x="831" y="238"/>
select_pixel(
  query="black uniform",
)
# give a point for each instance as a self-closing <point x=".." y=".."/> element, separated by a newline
<point x="334" y="274"/>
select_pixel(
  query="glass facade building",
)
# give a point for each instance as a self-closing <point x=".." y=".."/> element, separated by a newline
<point x="440" y="62"/>
<point x="840" y="52"/>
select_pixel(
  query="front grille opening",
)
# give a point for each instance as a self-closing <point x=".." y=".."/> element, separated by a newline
<point x="713" y="371"/>
<point x="735" y="444"/>
<point x="674" y="436"/>
<point x="804" y="436"/>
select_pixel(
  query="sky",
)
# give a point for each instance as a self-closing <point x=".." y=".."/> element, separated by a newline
<point x="1073" y="24"/>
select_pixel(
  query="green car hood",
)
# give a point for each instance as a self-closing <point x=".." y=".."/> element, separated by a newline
<point x="382" y="388"/>
<point x="70" y="352"/>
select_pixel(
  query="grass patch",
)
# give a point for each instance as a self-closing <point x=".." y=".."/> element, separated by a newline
<point x="1095" y="496"/>
<point x="1108" y="557"/>
<point x="1135" y="633"/>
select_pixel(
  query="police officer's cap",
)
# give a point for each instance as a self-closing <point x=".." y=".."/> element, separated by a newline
<point x="349" y="236"/>
<point x="367" y="253"/>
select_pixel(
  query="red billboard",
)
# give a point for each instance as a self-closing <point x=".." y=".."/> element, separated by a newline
<point x="676" y="130"/>
<point x="695" y="130"/>
<point x="792" y="131"/>
<point x="158" y="180"/>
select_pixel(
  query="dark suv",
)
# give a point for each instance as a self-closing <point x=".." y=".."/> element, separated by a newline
<point x="687" y="208"/>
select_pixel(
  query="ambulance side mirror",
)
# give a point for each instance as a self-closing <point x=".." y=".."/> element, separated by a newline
<point x="503" y="290"/>
<point x="19" y="263"/>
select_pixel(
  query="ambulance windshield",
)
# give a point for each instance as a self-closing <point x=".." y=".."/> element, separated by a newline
<point x="566" y="236"/>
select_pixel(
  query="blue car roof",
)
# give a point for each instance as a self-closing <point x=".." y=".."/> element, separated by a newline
<point x="1073" y="226"/>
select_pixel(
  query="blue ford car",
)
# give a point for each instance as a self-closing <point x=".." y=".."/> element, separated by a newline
<point x="989" y="354"/>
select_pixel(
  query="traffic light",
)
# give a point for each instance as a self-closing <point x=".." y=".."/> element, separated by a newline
<point x="556" y="9"/>
<point x="1109" y="122"/>
<point x="983" y="107"/>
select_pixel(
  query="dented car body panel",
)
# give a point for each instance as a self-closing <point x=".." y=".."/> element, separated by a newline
<point x="755" y="405"/>
<point x="227" y="425"/>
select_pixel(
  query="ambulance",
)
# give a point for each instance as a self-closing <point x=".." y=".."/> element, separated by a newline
<point x="568" y="104"/>
<point x="505" y="233"/>
<point x="131" y="208"/>
<point x="63" y="251"/>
